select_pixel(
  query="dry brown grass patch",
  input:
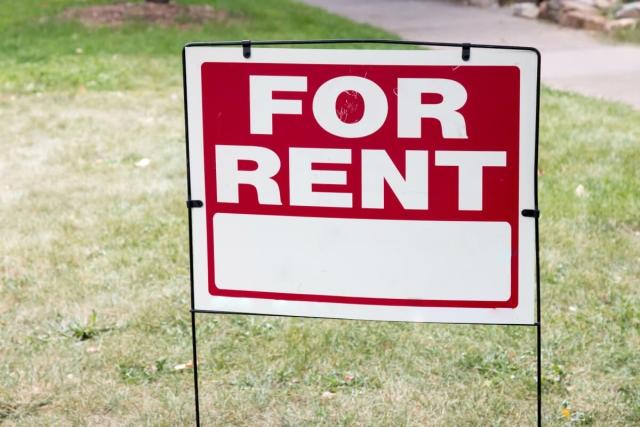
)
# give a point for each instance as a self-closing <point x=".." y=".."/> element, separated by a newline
<point x="165" y="15"/>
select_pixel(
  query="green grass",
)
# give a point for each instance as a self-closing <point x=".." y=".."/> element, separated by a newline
<point x="40" y="51"/>
<point x="94" y="291"/>
<point x="628" y="35"/>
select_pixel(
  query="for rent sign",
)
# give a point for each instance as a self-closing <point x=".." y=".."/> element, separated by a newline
<point x="364" y="184"/>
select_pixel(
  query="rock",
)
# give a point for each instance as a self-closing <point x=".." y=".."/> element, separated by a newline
<point x="543" y="9"/>
<point x="482" y="3"/>
<point x="595" y="23"/>
<point x="629" y="10"/>
<point x="525" y="10"/>
<point x="605" y="5"/>
<point x="620" y="24"/>
<point x="585" y="20"/>
<point x="556" y="9"/>
<point x="552" y="9"/>
<point x="576" y="5"/>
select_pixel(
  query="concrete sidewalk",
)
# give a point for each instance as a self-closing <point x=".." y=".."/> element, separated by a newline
<point x="571" y="59"/>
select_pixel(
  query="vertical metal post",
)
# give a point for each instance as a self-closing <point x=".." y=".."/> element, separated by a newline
<point x="538" y="321"/>
<point x="539" y="371"/>
<point x="538" y="332"/>
<point x="537" y="218"/>
<point x="195" y="366"/>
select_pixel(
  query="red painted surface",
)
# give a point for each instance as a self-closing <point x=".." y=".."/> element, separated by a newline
<point x="492" y="118"/>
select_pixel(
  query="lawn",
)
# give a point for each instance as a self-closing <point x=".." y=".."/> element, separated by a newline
<point x="94" y="296"/>
<point x="629" y="35"/>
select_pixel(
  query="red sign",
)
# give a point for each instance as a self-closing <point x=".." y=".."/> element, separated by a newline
<point x="366" y="184"/>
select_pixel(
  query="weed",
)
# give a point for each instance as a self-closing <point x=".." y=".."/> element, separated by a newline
<point x="87" y="330"/>
<point x="135" y="373"/>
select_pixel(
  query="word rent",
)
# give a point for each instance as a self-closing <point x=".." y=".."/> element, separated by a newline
<point x="310" y="167"/>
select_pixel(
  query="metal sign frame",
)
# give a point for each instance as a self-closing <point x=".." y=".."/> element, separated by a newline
<point x="466" y="52"/>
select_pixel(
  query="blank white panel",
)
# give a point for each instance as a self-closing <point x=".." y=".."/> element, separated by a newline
<point x="425" y="260"/>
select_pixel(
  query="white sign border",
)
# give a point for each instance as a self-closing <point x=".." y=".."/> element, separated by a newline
<point x="527" y="60"/>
